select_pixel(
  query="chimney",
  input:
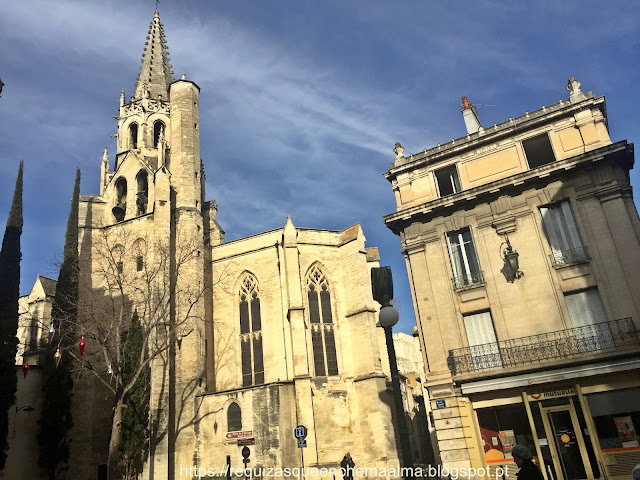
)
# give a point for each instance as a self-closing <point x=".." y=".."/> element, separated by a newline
<point x="470" y="116"/>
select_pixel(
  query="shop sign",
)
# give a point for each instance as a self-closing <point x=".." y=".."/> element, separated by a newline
<point x="564" y="392"/>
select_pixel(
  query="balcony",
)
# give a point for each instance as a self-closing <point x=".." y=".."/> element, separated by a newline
<point x="468" y="280"/>
<point x="575" y="342"/>
<point x="568" y="257"/>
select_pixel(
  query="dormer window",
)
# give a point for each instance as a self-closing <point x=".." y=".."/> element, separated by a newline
<point x="538" y="151"/>
<point x="133" y="136"/>
<point x="447" y="180"/>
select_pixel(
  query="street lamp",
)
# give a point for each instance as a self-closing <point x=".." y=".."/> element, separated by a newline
<point x="382" y="287"/>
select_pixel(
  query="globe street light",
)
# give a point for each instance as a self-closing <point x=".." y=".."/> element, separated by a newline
<point x="382" y="287"/>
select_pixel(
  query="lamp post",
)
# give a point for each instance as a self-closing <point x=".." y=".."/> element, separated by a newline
<point x="382" y="287"/>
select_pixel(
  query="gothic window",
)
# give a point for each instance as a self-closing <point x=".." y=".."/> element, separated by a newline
<point x="322" y="332"/>
<point x="234" y="418"/>
<point x="250" y="332"/>
<point x="158" y="126"/>
<point x="142" y="196"/>
<point x="120" y="209"/>
<point x="133" y="135"/>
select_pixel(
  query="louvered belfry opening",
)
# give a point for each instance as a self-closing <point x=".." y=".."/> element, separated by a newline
<point x="250" y="332"/>
<point x="323" y="340"/>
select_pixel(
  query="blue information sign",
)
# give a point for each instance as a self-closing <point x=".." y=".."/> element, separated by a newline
<point x="441" y="404"/>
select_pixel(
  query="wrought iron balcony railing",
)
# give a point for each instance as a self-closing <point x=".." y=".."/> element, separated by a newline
<point x="566" y="257"/>
<point x="586" y="340"/>
<point x="468" y="280"/>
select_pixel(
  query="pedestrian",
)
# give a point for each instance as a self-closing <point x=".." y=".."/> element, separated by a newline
<point x="636" y="472"/>
<point x="346" y="467"/>
<point x="524" y="460"/>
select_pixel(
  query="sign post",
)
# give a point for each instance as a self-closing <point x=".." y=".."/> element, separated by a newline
<point x="300" y="433"/>
<point x="246" y="451"/>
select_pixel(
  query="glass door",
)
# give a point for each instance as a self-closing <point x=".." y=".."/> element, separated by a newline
<point x="566" y="443"/>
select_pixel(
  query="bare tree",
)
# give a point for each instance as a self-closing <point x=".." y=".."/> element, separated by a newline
<point x="162" y="282"/>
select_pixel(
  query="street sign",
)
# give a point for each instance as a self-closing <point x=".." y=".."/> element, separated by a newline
<point x="441" y="404"/>
<point x="245" y="434"/>
<point x="246" y="451"/>
<point x="246" y="441"/>
<point x="300" y="431"/>
<point x="302" y="443"/>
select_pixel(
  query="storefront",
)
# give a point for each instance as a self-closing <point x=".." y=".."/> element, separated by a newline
<point x="586" y="427"/>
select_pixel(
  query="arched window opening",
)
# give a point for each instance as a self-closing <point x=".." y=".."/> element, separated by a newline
<point x="250" y="332"/>
<point x="234" y="418"/>
<point x="322" y="332"/>
<point x="142" y="196"/>
<point x="158" y="127"/>
<point x="138" y="252"/>
<point x="133" y="135"/>
<point x="120" y="209"/>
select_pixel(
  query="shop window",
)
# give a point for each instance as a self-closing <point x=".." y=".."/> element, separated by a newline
<point x="591" y="331"/>
<point x="562" y="234"/>
<point x="616" y="415"/>
<point x="234" y="418"/>
<point x="502" y="428"/>
<point x="464" y="261"/>
<point x="482" y="341"/>
<point x="447" y="180"/>
<point x="538" y="151"/>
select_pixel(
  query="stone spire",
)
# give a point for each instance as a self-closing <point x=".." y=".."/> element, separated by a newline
<point x="155" y="73"/>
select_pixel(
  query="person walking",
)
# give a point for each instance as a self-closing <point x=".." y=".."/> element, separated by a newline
<point x="346" y="467"/>
<point x="524" y="460"/>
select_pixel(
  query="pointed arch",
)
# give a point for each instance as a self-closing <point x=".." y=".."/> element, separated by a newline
<point x="158" y="126"/>
<point x="133" y="135"/>
<point x="250" y="331"/>
<point x="234" y="418"/>
<point x="142" y="195"/>
<point x="323" y="341"/>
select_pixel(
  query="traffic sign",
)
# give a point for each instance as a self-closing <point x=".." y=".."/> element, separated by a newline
<point x="246" y="441"/>
<point x="300" y="431"/>
<point x="246" y="451"/>
<point x="245" y="434"/>
<point x="302" y="443"/>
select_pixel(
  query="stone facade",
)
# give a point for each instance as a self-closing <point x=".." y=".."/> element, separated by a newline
<point x="249" y="338"/>
<point x="550" y="190"/>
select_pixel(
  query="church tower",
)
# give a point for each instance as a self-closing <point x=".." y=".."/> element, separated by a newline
<point x="151" y="217"/>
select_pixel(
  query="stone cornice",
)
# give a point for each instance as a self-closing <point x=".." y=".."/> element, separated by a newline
<point x="456" y="147"/>
<point x="471" y="197"/>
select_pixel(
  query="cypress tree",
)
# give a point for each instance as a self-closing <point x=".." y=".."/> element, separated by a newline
<point x="55" y="420"/>
<point x="135" y="414"/>
<point x="10" y="257"/>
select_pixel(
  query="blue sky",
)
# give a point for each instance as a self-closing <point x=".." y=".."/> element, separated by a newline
<point x="301" y="101"/>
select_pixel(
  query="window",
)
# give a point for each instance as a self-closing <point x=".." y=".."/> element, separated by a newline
<point x="142" y="196"/>
<point x="322" y="333"/>
<point x="562" y="234"/>
<point x="592" y="333"/>
<point x="133" y="135"/>
<point x="447" y="180"/>
<point x="234" y="418"/>
<point x="503" y="427"/>
<point x="538" y="151"/>
<point x="158" y="130"/>
<point x="120" y="210"/>
<point x="464" y="261"/>
<point x="119" y="267"/>
<point x="482" y="341"/>
<point x="250" y="332"/>
<point x="139" y="263"/>
<point x="616" y="415"/>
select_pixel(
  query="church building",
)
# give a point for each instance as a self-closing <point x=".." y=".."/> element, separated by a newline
<point x="257" y="335"/>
